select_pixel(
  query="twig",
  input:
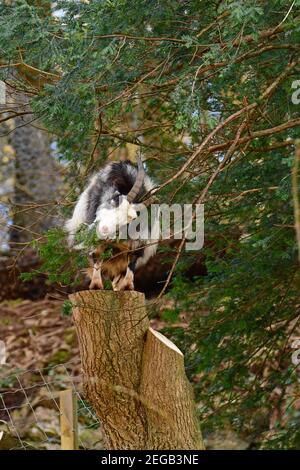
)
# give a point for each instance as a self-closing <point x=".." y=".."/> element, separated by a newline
<point x="295" y="193"/>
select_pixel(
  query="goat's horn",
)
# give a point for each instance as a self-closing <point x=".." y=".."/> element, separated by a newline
<point x="138" y="182"/>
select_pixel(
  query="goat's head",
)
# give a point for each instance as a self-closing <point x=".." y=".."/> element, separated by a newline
<point x="119" y="210"/>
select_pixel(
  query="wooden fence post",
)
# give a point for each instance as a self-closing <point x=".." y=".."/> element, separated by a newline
<point x="133" y="376"/>
<point x="68" y="420"/>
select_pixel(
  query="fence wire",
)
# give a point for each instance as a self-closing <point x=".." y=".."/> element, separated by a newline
<point x="30" y="410"/>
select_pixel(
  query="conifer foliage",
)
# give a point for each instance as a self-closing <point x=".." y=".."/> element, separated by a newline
<point x="207" y="90"/>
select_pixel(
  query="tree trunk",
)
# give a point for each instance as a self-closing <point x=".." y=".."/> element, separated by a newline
<point x="133" y="376"/>
<point x="37" y="181"/>
<point x="6" y="184"/>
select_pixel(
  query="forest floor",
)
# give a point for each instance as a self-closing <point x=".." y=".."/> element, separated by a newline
<point x="42" y="358"/>
<point x="37" y="335"/>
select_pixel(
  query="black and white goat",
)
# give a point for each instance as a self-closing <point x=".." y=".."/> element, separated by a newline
<point x="110" y="202"/>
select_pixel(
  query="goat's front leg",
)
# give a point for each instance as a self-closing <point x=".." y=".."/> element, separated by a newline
<point x="96" y="279"/>
<point x="124" y="282"/>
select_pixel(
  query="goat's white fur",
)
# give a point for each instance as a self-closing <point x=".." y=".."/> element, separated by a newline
<point x="79" y="215"/>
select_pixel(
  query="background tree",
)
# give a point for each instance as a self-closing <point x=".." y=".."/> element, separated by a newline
<point x="36" y="175"/>
<point x="37" y="182"/>
<point x="6" y="185"/>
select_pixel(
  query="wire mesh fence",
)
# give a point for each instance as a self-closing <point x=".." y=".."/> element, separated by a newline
<point x="33" y="415"/>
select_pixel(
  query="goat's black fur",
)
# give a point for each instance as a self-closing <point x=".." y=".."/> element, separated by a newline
<point x="114" y="180"/>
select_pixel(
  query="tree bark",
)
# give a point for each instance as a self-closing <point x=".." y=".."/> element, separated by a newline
<point x="133" y="376"/>
<point x="111" y="329"/>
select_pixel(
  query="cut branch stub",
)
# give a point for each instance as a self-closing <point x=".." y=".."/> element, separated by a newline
<point x="168" y="397"/>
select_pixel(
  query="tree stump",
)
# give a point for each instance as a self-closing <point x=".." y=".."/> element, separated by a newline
<point x="133" y="376"/>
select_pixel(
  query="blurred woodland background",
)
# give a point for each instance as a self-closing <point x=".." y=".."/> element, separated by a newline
<point x="209" y="92"/>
